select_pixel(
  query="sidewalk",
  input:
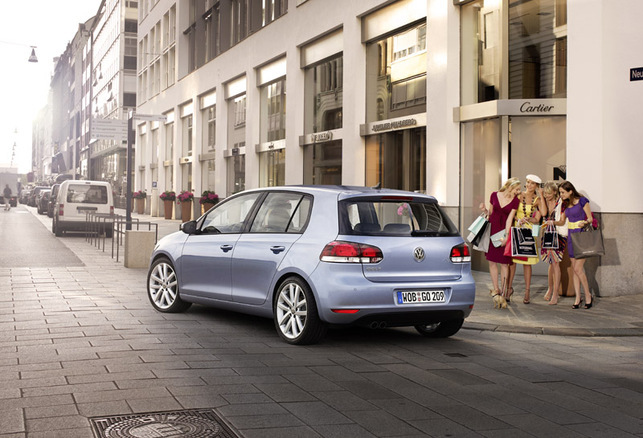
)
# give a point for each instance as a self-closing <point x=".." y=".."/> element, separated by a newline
<point x="610" y="316"/>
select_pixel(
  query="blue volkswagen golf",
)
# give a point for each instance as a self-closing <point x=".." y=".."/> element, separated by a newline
<point x="310" y="257"/>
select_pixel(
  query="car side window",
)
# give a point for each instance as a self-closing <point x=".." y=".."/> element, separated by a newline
<point x="229" y="217"/>
<point x="282" y="212"/>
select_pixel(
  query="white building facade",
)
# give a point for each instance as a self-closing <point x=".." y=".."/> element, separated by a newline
<point x="444" y="97"/>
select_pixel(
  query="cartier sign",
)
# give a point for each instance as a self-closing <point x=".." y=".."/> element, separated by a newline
<point x="528" y="107"/>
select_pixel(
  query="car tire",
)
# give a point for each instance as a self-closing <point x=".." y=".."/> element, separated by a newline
<point x="163" y="287"/>
<point x="55" y="228"/>
<point x="442" y="329"/>
<point x="295" y="313"/>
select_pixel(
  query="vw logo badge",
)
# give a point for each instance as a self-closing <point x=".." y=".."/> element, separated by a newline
<point x="418" y="253"/>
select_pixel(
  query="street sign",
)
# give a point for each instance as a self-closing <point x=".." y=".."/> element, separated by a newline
<point x="109" y="129"/>
<point x="636" y="74"/>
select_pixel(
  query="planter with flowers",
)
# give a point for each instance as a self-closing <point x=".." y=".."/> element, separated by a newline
<point x="168" y="198"/>
<point x="185" y="199"/>
<point x="208" y="200"/>
<point x="139" y="198"/>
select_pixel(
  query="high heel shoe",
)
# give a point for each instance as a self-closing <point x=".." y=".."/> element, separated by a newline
<point x="510" y="292"/>
<point x="589" y="305"/>
<point x="576" y="306"/>
<point x="525" y="300"/>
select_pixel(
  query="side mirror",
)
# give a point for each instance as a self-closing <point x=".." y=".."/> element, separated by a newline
<point x="188" y="227"/>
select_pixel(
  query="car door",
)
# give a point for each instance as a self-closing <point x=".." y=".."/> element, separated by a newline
<point x="207" y="255"/>
<point x="258" y="254"/>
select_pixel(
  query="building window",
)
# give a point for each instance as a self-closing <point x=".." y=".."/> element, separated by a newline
<point x="169" y="141"/>
<point x="396" y="84"/>
<point x="238" y="20"/>
<point x="273" y="111"/>
<point x="187" y="136"/>
<point x="323" y="163"/>
<point x="324" y="100"/>
<point x="213" y="32"/>
<point x="210" y="127"/>
<point x="240" y="111"/>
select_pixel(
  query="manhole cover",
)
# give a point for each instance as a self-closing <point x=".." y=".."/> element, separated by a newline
<point x="194" y="423"/>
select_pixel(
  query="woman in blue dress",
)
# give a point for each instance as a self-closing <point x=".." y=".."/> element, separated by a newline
<point x="578" y="214"/>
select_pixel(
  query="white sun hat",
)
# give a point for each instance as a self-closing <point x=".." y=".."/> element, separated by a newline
<point x="534" y="178"/>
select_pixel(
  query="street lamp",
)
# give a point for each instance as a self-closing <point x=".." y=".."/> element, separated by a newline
<point x="32" y="57"/>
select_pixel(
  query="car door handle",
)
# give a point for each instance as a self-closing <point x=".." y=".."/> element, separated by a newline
<point x="277" y="249"/>
<point x="226" y="248"/>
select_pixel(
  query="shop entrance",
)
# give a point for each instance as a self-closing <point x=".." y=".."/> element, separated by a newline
<point x="502" y="147"/>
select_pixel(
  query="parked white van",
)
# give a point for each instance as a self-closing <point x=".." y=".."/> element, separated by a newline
<point x="75" y="199"/>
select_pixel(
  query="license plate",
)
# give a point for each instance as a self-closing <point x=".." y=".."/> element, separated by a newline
<point x="420" y="297"/>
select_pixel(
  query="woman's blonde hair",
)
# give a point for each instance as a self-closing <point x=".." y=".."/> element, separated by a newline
<point x="551" y="187"/>
<point x="511" y="182"/>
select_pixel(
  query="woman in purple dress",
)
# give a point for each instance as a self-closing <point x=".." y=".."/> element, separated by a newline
<point x="578" y="214"/>
<point x="504" y="204"/>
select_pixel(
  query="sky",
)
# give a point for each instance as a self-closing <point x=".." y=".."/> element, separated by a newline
<point x="49" y="25"/>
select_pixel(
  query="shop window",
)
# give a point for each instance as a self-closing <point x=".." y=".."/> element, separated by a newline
<point x="397" y="160"/>
<point x="236" y="174"/>
<point x="272" y="168"/>
<point x="323" y="163"/>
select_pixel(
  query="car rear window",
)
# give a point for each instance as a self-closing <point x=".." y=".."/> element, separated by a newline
<point x="87" y="194"/>
<point x="394" y="218"/>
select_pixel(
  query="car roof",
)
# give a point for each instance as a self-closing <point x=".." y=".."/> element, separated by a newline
<point x="346" y="191"/>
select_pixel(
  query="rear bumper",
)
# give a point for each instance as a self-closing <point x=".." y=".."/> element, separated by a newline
<point x="339" y="289"/>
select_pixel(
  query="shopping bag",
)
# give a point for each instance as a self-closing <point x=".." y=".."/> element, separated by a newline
<point x="482" y="243"/>
<point x="473" y="238"/>
<point x="496" y="239"/>
<point x="507" y="251"/>
<point x="535" y="230"/>
<point x="588" y="243"/>
<point x="477" y="224"/>
<point x="479" y="234"/>
<point x="528" y="246"/>
<point x="550" y="238"/>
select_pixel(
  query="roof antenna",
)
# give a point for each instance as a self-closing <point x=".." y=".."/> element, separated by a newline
<point x="377" y="186"/>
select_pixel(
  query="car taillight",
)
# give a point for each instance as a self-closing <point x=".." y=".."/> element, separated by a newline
<point x="61" y="209"/>
<point x="460" y="254"/>
<point x="350" y="252"/>
<point x="111" y="210"/>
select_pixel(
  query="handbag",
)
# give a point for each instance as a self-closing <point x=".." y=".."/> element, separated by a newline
<point x="496" y="239"/>
<point x="523" y="243"/>
<point x="482" y="244"/>
<point x="550" y="238"/>
<point x="477" y="224"/>
<point x="588" y="243"/>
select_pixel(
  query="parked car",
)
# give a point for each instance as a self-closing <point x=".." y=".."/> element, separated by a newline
<point x="33" y="196"/>
<point x="23" y="198"/>
<point x="52" y="200"/>
<point x="42" y="203"/>
<point x="77" y="198"/>
<point x="314" y="257"/>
